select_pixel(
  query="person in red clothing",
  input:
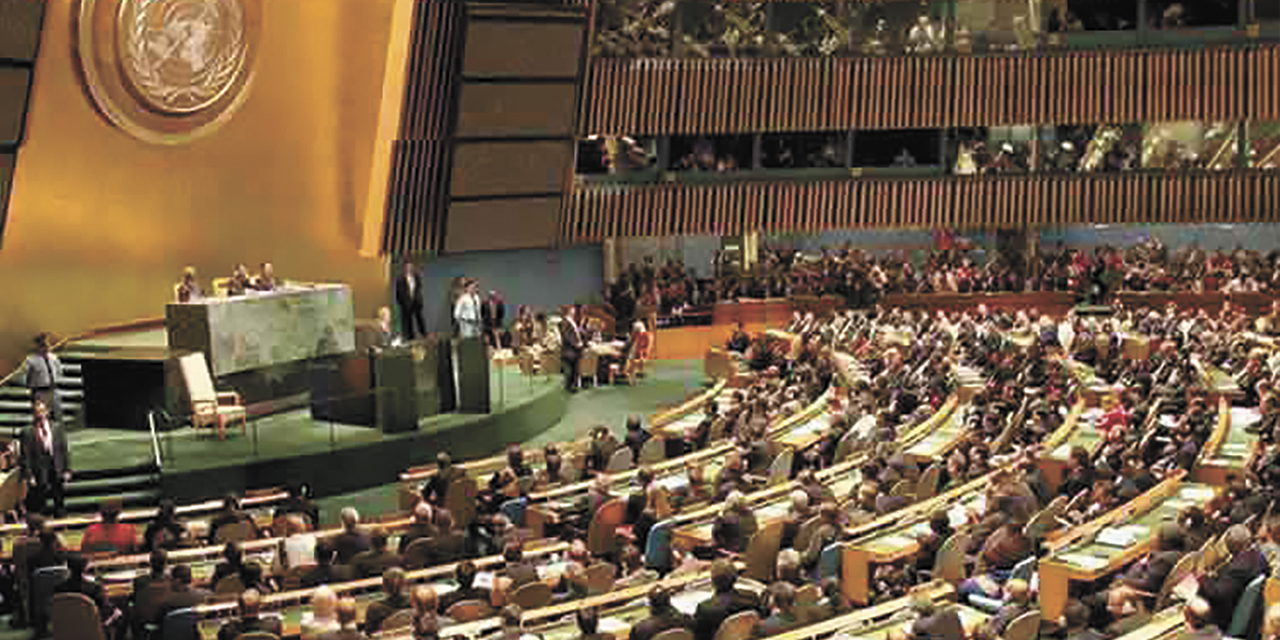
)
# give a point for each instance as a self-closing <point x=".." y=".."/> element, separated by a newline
<point x="109" y="535"/>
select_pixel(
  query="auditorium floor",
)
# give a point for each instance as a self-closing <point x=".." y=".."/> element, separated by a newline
<point x="669" y="383"/>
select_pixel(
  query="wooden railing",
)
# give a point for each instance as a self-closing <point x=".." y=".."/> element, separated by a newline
<point x="722" y="96"/>
<point x="592" y="214"/>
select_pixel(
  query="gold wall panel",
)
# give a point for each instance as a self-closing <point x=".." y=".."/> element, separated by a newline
<point x="498" y="47"/>
<point x="20" y="28"/>
<point x="100" y="224"/>
<point x="503" y="109"/>
<point x="502" y="224"/>
<point x="502" y="168"/>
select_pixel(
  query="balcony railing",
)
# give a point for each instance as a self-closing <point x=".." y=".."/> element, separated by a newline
<point x="595" y="213"/>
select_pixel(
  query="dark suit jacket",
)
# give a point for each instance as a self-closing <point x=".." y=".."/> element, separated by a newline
<point x="943" y="625"/>
<point x="446" y="548"/>
<point x="382" y="609"/>
<point x="348" y="544"/>
<point x="39" y="462"/>
<point x="236" y="628"/>
<point x="1149" y="575"/>
<point x="714" y="610"/>
<point x="521" y="573"/>
<point x="93" y="590"/>
<point x="403" y="298"/>
<point x="460" y="594"/>
<point x="182" y="599"/>
<point x="659" y="622"/>
<point x="1224" y="589"/>
<point x="570" y="341"/>
<point x="371" y="563"/>
<point x="492" y="315"/>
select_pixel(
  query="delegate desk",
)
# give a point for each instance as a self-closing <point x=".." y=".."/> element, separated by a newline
<point x="196" y="516"/>
<point x="618" y="622"/>
<point x="893" y="537"/>
<point x="940" y="441"/>
<point x="1079" y="430"/>
<point x="262" y="329"/>
<point x="293" y="607"/>
<point x="1105" y="545"/>
<point x="1228" y="454"/>
<point x="1164" y="625"/>
<point x="881" y="621"/>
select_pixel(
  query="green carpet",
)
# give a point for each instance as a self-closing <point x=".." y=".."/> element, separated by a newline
<point x="668" y="384"/>
<point x="281" y="435"/>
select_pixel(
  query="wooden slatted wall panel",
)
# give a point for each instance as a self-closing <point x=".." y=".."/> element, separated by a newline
<point x="662" y="97"/>
<point x="417" y="193"/>
<point x="592" y="214"/>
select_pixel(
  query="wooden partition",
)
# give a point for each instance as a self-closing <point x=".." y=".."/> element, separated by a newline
<point x="727" y="96"/>
<point x="968" y="202"/>
<point x="1055" y="303"/>
<point x="1253" y="303"/>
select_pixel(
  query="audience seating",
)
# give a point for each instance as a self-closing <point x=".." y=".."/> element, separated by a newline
<point x="739" y="626"/>
<point x="75" y="617"/>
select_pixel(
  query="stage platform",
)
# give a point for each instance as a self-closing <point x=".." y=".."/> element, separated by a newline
<point x="333" y="457"/>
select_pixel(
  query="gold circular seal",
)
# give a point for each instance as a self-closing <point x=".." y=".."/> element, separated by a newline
<point x="168" y="71"/>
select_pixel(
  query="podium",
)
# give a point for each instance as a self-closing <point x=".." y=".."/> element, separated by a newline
<point x="471" y="370"/>
<point x="389" y="388"/>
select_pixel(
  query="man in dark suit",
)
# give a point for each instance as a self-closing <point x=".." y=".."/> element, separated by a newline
<point x="493" y="312"/>
<point x="394" y="600"/>
<point x="409" y="299"/>
<point x="449" y="543"/>
<point x="353" y="538"/>
<point x="1223" y="589"/>
<point x="346" y="623"/>
<point x="662" y="616"/>
<point x="42" y="370"/>
<point x="933" y="623"/>
<point x="45" y="460"/>
<point x="572" y="343"/>
<point x="181" y="594"/>
<point x="518" y="570"/>
<point x="465" y="575"/>
<point x="249" y="620"/>
<point x="725" y="602"/>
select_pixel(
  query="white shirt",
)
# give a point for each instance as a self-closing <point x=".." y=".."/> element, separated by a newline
<point x="467" y="313"/>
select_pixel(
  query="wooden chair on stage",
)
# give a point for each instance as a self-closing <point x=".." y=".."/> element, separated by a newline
<point x="209" y="407"/>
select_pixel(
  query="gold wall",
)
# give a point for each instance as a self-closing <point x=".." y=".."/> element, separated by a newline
<point x="100" y="224"/>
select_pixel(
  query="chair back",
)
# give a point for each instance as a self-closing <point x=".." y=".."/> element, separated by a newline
<point x="780" y="468"/>
<point x="762" y="552"/>
<point x="180" y="624"/>
<point x="804" y="533"/>
<point x="901" y="490"/>
<point x="653" y="451"/>
<point x="808" y="594"/>
<point x="534" y="595"/>
<point x="600" y="533"/>
<point x="657" y="547"/>
<point x="12" y="491"/>
<point x="468" y="610"/>
<point x="1242" y="618"/>
<point x="1023" y="627"/>
<point x="1025" y="569"/>
<point x="75" y="617"/>
<point x="660" y="501"/>
<point x="949" y="565"/>
<point x="401" y="619"/>
<point x="600" y="578"/>
<point x="236" y="532"/>
<point x="43" y="583"/>
<point x="418" y="553"/>
<point x="258" y="635"/>
<point x="675" y="634"/>
<point x="229" y="585"/>
<point x="620" y="460"/>
<point x="526" y="362"/>
<point x="829" y="561"/>
<point x="195" y="373"/>
<point x="1186" y="564"/>
<point x="550" y="364"/>
<point x="460" y="500"/>
<point x="927" y="487"/>
<point x="514" y="509"/>
<point x="739" y="626"/>
<point x="846" y="445"/>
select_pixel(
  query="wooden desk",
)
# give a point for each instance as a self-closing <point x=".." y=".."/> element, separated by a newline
<point x="1228" y="450"/>
<point x="892" y="537"/>
<point x="1164" y="625"/>
<point x="875" y="623"/>
<point x="1078" y="430"/>
<point x="1105" y="545"/>
<point x="941" y="440"/>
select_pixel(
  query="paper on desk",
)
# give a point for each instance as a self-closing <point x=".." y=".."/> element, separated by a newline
<point x="686" y="602"/>
<point x="484" y="580"/>
<point x="1196" y="492"/>
<point x="674" y="482"/>
<point x="958" y="515"/>
<point x="1123" y="536"/>
<point x="1084" y="560"/>
<point x="613" y="627"/>
<point x="897" y="541"/>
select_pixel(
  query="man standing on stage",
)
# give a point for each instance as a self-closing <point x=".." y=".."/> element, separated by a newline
<point x="466" y="311"/>
<point x="46" y="462"/>
<point x="409" y="299"/>
<point x="571" y="345"/>
<point x="43" y="371"/>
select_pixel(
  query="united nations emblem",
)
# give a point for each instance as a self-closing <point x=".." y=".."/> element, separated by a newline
<point x="168" y="71"/>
